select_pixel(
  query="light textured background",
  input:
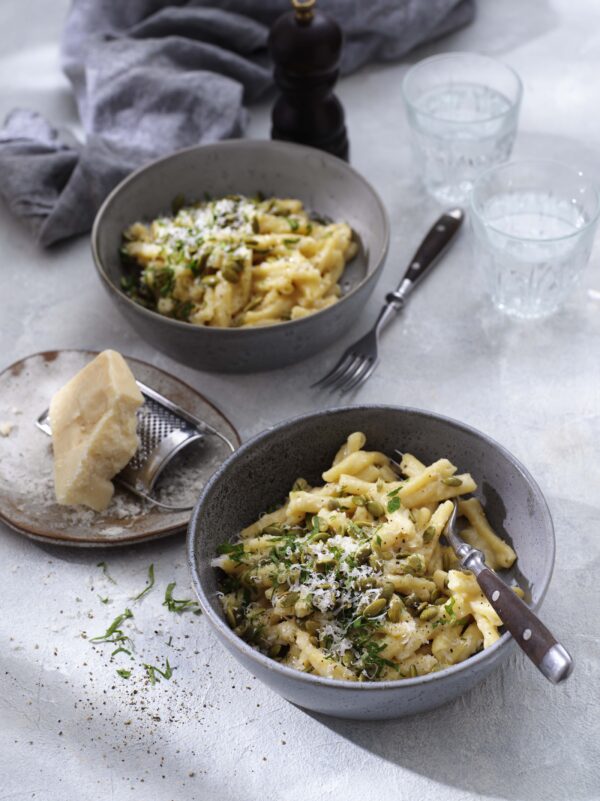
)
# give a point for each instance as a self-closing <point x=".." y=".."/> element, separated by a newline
<point x="71" y="729"/>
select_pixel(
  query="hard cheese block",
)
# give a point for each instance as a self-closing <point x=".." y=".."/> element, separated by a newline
<point x="94" y="430"/>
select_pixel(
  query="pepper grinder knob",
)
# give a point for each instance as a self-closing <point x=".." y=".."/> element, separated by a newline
<point x="306" y="46"/>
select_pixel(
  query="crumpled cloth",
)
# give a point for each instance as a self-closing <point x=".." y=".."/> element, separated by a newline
<point x="153" y="76"/>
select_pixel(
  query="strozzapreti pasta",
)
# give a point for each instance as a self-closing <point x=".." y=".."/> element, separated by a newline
<point x="236" y="262"/>
<point x="349" y="580"/>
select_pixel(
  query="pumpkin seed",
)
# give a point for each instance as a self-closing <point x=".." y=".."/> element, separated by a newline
<point x="429" y="534"/>
<point x="272" y="529"/>
<point x="452" y="481"/>
<point x="289" y="599"/>
<point x="311" y="626"/>
<point x="375" y="508"/>
<point x="415" y="562"/>
<point x="375" y="608"/>
<point x="363" y="553"/>
<point x="387" y="590"/>
<point x="395" y="610"/>
<point x="357" y="500"/>
<point x="429" y="613"/>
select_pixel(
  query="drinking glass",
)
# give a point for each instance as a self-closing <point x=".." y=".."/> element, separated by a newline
<point x="533" y="224"/>
<point x="462" y="110"/>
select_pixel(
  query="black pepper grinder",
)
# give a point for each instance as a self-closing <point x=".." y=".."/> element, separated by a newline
<point x="305" y="45"/>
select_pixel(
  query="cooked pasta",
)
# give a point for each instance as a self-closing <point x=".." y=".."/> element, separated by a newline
<point x="350" y="580"/>
<point x="236" y="262"/>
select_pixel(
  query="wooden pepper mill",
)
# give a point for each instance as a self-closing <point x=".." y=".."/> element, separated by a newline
<point x="305" y="45"/>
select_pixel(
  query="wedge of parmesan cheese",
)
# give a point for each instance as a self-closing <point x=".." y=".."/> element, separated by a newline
<point x="93" y="421"/>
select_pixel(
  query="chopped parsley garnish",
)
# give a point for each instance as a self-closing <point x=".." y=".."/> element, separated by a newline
<point x="393" y="504"/>
<point x="114" y="633"/>
<point x="234" y="552"/>
<point x="149" y="584"/>
<point x="179" y="605"/>
<point x="107" y="575"/>
<point x="123" y="673"/>
<point x="293" y="223"/>
<point x="154" y="673"/>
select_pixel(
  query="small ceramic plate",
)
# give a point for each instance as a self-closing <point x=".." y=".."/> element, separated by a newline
<point x="27" y="502"/>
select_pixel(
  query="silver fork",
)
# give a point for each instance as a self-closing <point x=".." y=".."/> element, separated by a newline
<point x="360" y="359"/>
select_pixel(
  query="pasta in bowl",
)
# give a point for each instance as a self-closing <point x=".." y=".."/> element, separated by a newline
<point x="262" y="472"/>
<point x="237" y="261"/>
<point x="237" y="283"/>
<point x="350" y="580"/>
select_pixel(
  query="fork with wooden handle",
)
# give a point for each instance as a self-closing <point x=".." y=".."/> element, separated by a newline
<point x="360" y="359"/>
<point x="530" y="634"/>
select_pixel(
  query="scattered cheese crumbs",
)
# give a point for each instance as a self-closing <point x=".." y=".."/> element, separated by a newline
<point x="6" y="428"/>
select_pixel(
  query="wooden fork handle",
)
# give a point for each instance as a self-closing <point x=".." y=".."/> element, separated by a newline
<point x="546" y="653"/>
<point x="436" y="241"/>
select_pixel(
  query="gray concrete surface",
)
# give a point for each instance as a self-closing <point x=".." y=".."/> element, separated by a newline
<point x="71" y="729"/>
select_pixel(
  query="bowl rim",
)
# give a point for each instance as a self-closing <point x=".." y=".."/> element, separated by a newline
<point x="237" y="644"/>
<point x="236" y="144"/>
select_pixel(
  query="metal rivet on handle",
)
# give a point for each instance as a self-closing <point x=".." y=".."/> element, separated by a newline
<point x="527" y="634"/>
<point x="495" y="595"/>
<point x="440" y="227"/>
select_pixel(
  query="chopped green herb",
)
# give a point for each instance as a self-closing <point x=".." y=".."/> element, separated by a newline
<point x="149" y="584"/>
<point x="179" y="605"/>
<point x="104" y="567"/>
<point x="127" y="283"/>
<point x="393" y="504"/>
<point x="291" y="241"/>
<point x="294" y="224"/>
<point x="121" y="650"/>
<point x="394" y="492"/>
<point x="104" y="600"/>
<point x="234" y="552"/>
<point x="114" y="633"/>
<point x="154" y="672"/>
<point x="124" y="674"/>
<point x="164" y="281"/>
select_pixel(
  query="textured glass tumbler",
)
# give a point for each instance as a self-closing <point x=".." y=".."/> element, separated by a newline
<point x="462" y="109"/>
<point x="533" y="224"/>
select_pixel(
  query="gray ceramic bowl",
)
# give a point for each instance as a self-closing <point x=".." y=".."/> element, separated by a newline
<point x="324" y="183"/>
<point x="261" y="472"/>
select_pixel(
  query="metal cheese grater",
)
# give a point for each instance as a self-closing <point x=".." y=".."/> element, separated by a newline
<point x="164" y="431"/>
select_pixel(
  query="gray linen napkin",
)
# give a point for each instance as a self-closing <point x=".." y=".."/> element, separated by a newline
<point x="154" y="76"/>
